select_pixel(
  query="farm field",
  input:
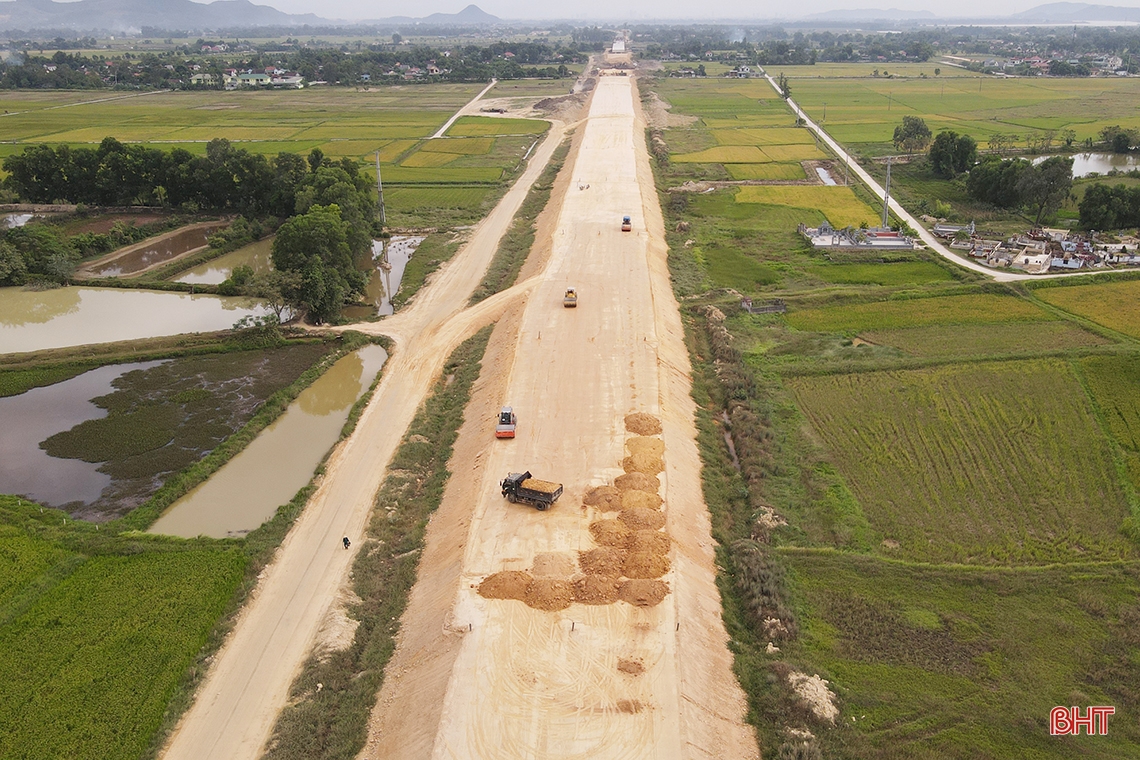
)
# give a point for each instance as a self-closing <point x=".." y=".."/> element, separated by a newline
<point x="944" y="310"/>
<point x="955" y="464"/>
<point x="851" y="70"/>
<point x="93" y="647"/>
<point x="962" y="663"/>
<point x="1116" y="305"/>
<point x="839" y="204"/>
<point x="966" y="448"/>
<point x="862" y="113"/>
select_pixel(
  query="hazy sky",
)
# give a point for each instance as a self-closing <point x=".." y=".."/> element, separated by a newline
<point x="649" y="9"/>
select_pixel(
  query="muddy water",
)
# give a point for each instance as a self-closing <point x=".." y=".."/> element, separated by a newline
<point x="249" y="488"/>
<point x="824" y="176"/>
<point x="156" y="252"/>
<point x="32" y="320"/>
<point x="396" y="251"/>
<point x="34" y="416"/>
<point x="257" y="255"/>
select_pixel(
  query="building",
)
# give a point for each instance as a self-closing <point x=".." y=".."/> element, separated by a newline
<point x="826" y="237"/>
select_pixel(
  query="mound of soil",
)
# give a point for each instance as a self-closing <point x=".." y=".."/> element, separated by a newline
<point x="645" y="565"/>
<point x="552" y="565"/>
<point x="604" y="560"/>
<point x="631" y="667"/>
<point x="629" y="706"/>
<point x="549" y="594"/>
<point x="640" y="500"/>
<point x="508" y="584"/>
<point x="605" y="498"/>
<point x="609" y="532"/>
<point x="643" y="593"/>
<point x="637" y="481"/>
<point x="596" y="589"/>
<point x="654" y="447"/>
<point x="642" y="519"/>
<point x="641" y="423"/>
<point x="643" y="463"/>
<point x="648" y="541"/>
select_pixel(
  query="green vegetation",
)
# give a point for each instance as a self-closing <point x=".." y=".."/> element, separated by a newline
<point x="331" y="721"/>
<point x="929" y="492"/>
<point x="481" y="126"/>
<point x="1112" y="304"/>
<point x="838" y="204"/>
<point x="517" y="241"/>
<point x="959" y="464"/>
<point x="430" y="256"/>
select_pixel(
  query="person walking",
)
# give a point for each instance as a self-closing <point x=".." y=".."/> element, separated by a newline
<point x="347" y="543"/>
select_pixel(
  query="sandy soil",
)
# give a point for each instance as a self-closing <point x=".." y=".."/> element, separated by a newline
<point x="480" y="678"/>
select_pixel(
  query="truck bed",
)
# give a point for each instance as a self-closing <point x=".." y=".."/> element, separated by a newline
<point x="542" y="486"/>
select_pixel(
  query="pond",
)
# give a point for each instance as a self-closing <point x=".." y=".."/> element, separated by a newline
<point x="140" y="257"/>
<point x="385" y="280"/>
<point x="36" y="415"/>
<point x="257" y="256"/>
<point x="31" y="320"/>
<point x="249" y="488"/>
<point x="1085" y="164"/>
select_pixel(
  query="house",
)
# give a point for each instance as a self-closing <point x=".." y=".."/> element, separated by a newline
<point x="740" y="72"/>
<point x="288" y="79"/>
<point x="254" y="79"/>
<point x="1032" y="262"/>
<point x="201" y="78"/>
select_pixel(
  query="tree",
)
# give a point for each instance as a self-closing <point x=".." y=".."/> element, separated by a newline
<point x="912" y="135"/>
<point x="951" y="154"/>
<point x="996" y="181"/>
<point x="273" y="289"/>
<point x="1044" y="187"/>
<point x="937" y="72"/>
<point x="315" y="245"/>
<point x="784" y="87"/>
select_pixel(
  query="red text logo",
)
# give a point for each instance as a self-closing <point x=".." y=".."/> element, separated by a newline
<point x="1068" y="721"/>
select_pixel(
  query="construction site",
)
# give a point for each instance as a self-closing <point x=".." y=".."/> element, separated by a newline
<point x="572" y="613"/>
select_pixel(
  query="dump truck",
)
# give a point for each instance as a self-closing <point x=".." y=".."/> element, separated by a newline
<point x="626" y="224"/>
<point x="570" y="300"/>
<point x="505" y="427"/>
<point x="520" y="487"/>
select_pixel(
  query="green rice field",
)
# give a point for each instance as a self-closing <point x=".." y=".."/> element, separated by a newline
<point x="1115" y="305"/>
<point x="917" y="312"/>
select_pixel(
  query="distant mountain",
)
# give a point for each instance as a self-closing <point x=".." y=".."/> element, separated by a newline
<point x="1075" y="13"/>
<point x="872" y="14"/>
<point x="132" y="15"/>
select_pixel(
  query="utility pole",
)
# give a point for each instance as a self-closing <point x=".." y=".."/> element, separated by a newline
<point x="380" y="191"/>
<point x="887" y="195"/>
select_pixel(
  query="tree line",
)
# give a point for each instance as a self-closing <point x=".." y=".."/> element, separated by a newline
<point x="1110" y="208"/>
<point x="320" y="251"/>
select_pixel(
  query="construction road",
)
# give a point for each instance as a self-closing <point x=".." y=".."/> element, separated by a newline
<point x="518" y="682"/>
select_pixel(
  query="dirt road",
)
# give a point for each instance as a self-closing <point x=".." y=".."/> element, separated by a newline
<point x="248" y="683"/>
<point x="525" y="683"/>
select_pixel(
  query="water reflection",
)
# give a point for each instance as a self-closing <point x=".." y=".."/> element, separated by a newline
<point x="36" y="415"/>
<point x="248" y="489"/>
<point x="257" y="255"/>
<point x="32" y="320"/>
<point x="1100" y="163"/>
<point x="137" y="258"/>
<point x="385" y="280"/>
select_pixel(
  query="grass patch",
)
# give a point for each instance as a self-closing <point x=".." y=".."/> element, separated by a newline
<point x="727" y="267"/>
<point x="332" y="722"/>
<point x="956" y="663"/>
<point x="986" y="340"/>
<point x="483" y="126"/>
<point x="766" y="171"/>
<point x="1116" y="305"/>
<point x="991" y="463"/>
<point x="463" y="147"/>
<point x="838" y="204"/>
<point x="424" y="159"/>
<point x="430" y="256"/>
<point x="897" y="273"/>
<point x="917" y="312"/>
<point x="519" y="238"/>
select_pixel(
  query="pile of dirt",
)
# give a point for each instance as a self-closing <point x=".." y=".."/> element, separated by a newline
<point x="549" y="594"/>
<point x="508" y="584"/>
<point x="644" y="463"/>
<point x="552" y="565"/>
<point x="654" y="447"/>
<point x="609" y="532"/>
<point x="604" y="560"/>
<point x="642" y="519"/>
<point x="605" y="498"/>
<point x="641" y="423"/>
<point x="637" y="481"/>
<point x="643" y="593"/>
<point x="631" y="667"/>
<point x="596" y="589"/>
<point x="645" y="565"/>
<point x="629" y="706"/>
<point x="648" y="541"/>
<point x="640" y="500"/>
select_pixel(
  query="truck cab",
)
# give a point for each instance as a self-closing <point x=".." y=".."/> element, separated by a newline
<point x="505" y="427"/>
<point x="626" y="224"/>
